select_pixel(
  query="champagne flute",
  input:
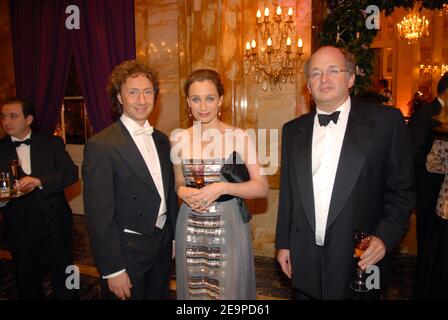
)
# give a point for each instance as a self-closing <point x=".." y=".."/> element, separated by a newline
<point x="362" y="240"/>
<point x="5" y="186"/>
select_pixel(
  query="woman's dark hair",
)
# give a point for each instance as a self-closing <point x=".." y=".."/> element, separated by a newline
<point x="203" y="75"/>
<point x="124" y="71"/>
<point x="442" y="118"/>
<point x="442" y="86"/>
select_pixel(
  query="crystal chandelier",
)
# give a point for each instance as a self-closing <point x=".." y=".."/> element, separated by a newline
<point x="276" y="55"/>
<point x="412" y="27"/>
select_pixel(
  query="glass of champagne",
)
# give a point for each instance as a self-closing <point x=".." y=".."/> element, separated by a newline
<point x="17" y="173"/>
<point x="5" y="186"/>
<point x="362" y="240"/>
<point x="198" y="175"/>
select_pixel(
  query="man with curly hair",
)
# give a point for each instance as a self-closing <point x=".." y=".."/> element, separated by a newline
<point x="129" y="197"/>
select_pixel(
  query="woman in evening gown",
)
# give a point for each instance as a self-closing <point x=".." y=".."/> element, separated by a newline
<point x="435" y="256"/>
<point x="214" y="258"/>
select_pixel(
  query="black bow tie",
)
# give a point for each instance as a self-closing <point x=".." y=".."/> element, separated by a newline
<point x="324" y="119"/>
<point x="18" y="143"/>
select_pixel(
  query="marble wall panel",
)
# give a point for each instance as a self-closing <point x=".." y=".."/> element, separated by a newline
<point x="156" y="28"/>
<point x="264" y="223"/>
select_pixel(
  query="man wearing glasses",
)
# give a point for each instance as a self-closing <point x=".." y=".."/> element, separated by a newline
<point x="346" y="167"/>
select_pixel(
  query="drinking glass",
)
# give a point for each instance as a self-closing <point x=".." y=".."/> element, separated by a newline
<point x="17" y="173"/>
<point x="5" y="185"/>
<point x="362" y="240"/>
<point x="198" y="175"/>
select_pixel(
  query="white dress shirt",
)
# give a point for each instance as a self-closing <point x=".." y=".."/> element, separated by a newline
<point x="23" y="151"/>
<point x="326" y="149"/>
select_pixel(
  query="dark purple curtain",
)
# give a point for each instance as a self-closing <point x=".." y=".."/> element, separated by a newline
<point x="41" y="50"/>
<point x="106" y="38"/>
<point x="43" y="46"/>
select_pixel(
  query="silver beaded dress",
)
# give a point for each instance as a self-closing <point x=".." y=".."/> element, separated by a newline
<point x="214" y="258"/>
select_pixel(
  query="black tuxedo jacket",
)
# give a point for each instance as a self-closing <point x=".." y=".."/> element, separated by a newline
<point x="373" y="191"/>
<point x="119" y="193"/>
<point x="50" y="163"/>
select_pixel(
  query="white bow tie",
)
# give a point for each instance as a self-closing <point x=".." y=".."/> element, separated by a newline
<point x="148" y="131"/>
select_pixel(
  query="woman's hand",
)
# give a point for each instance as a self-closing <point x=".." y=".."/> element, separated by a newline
<point x="208" y="194"/>
<point x="188" y="195"/>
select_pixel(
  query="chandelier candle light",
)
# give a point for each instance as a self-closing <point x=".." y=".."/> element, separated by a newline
<point x="429" y="69"/>
<point x="412" y="27"/>
<point x="443" y="68"/>
<point x="274" y="60"/>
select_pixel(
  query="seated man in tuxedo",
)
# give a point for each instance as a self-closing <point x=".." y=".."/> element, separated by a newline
<point x="40" y="222"/>
<point x="129" y="197"/>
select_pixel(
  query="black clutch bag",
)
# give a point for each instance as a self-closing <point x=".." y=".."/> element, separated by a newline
<point x="235" y="171"/>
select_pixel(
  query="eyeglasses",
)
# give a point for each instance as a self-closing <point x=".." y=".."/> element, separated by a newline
<point x="316" y="74"/>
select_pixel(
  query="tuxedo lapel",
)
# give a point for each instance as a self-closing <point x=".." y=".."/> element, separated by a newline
<point x="302" y="146"/>
<point x="128" y="150"/>
<point x="353" y="154"/>
<point x="10" y="152"/>
<point x="35" y="159"/>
